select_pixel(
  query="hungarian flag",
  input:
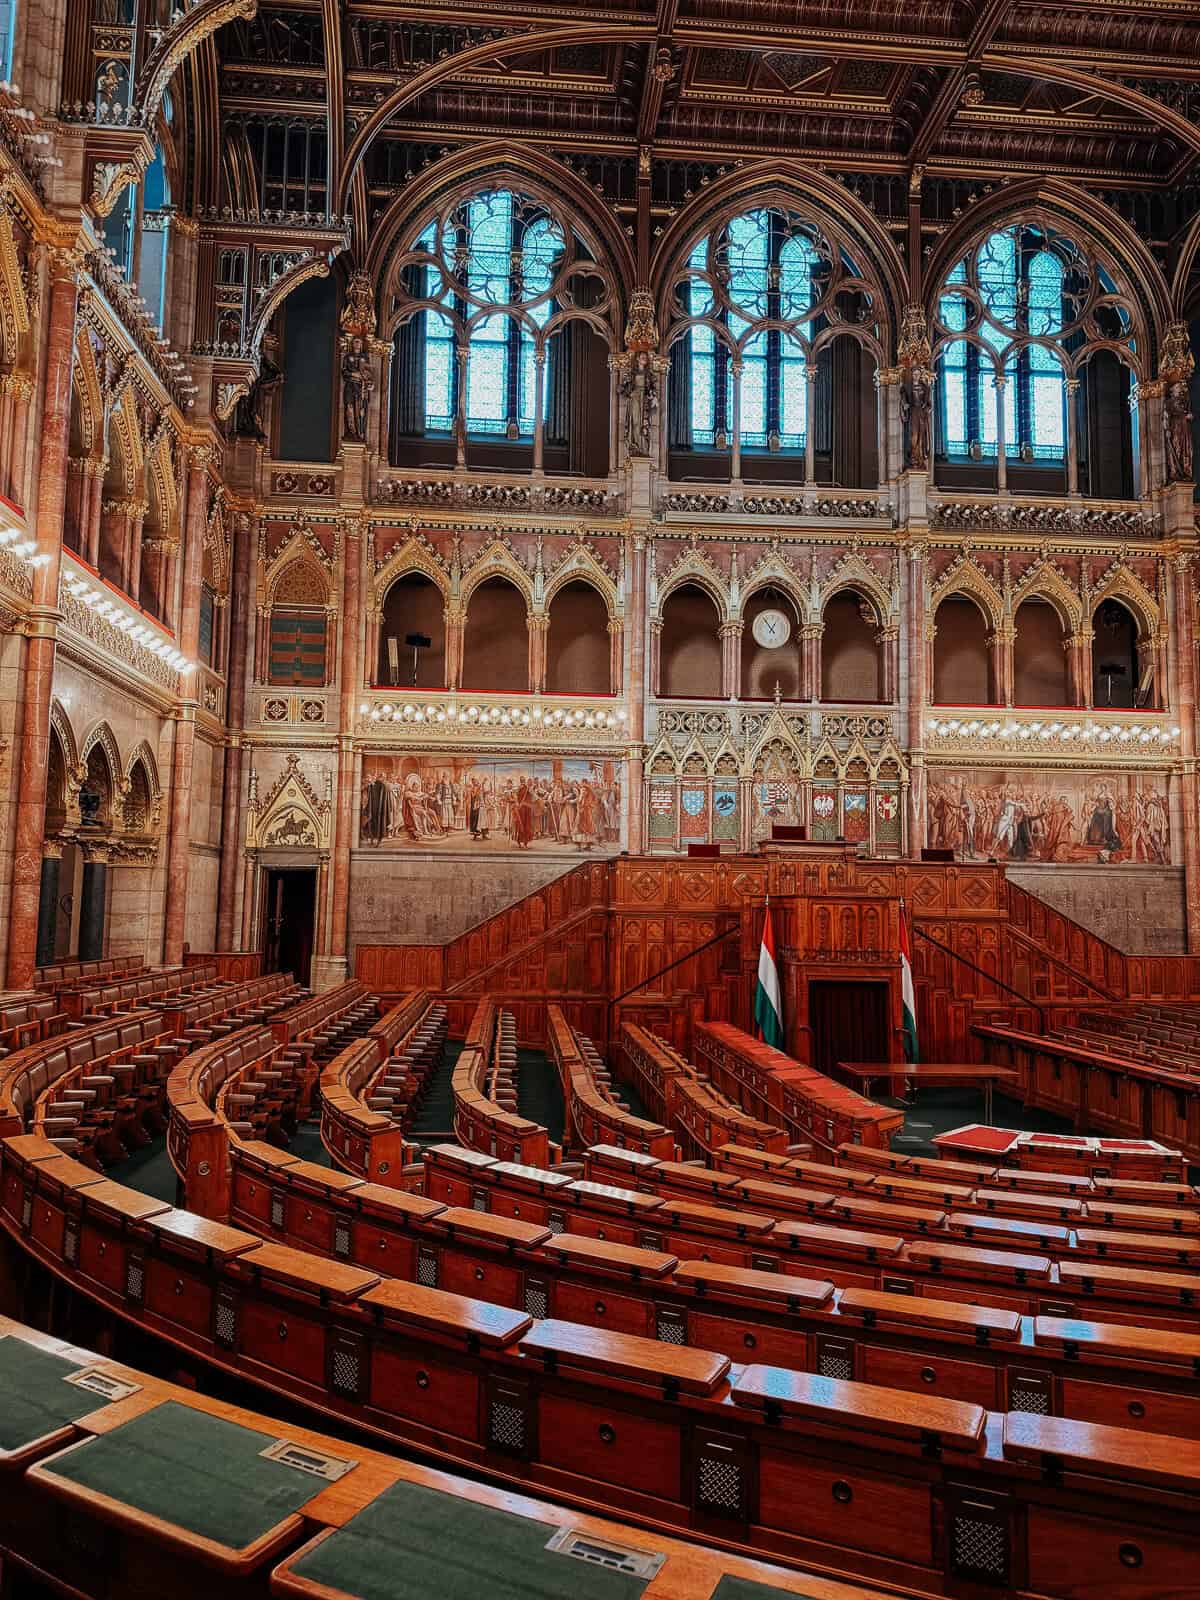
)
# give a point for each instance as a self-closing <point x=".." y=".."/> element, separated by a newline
<point x="768" y="1007"/>
<point x="908" y="995"/>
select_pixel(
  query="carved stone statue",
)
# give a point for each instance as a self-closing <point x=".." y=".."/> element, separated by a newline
<point x="639" y="388"/>
<point x="1177" y="428"/>
<point x="358" y="383"/>
<point x="916" y="405"/>
<point x="248" y="419"/>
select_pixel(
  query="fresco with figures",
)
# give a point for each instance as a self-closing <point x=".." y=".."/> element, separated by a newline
<point x="1051" y="816"/>
<point x="491" y="803"/>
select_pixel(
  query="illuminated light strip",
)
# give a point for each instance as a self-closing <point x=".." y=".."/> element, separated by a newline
<point x="496" y="716"/>
<point x="1061" y="732"/>
<point x="105" y="604"/>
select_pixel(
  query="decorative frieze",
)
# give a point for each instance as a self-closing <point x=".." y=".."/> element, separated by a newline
<point x="1045" y="517"/>
<point x="1085" y="738"/>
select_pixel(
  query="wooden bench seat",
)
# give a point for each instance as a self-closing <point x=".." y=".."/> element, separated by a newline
<point x="601" y="1255"/>
<point x="625" y="1357"/>
<point x="481" y="1227"/>
<point x="750" y="1287"/>
<point x="1058" y="1444"/>
<point x="447" y="1318"/>
<point x="983" y="1324"/>
<point x="925" y="1421"/>
<point x="1108" y="1342"/>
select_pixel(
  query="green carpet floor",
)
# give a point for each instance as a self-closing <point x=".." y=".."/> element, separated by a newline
<point x="936" y="1111"/>
<point x="149" y="1171"/>
<point x="435" y="1115"/>
<point x="539" y="1093"/>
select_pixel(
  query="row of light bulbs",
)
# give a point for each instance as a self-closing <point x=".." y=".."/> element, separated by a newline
<point x="127" y="621"/>
<point x="495" y="716"/>
<point x="24" y="549"/>
<point x="1065" y="732"/>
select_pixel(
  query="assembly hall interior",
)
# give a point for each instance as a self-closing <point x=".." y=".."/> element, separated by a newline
<point x="599" y="869"/>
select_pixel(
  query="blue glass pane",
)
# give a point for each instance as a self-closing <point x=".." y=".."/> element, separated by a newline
<point x="997" y="268"/>
<point x="747" y="256"/>
<point x="487" y="378"/>
<point x="1049" y="428"/>
<point x="754" y="401"/>
<point x="439" y="374"/>
<point x="1043" y="360"/>
<point x="703" y="339"/>
<point x="793" y="403"/>
<point x="1045" y="293"/>
<point x="703" y="397"/>
<point x="527" y="388"/>
<point x="1012" y="443"/>
<point x="954" y="391"/>
<point x="489" y="244"/>
<point x="796" y="261"/>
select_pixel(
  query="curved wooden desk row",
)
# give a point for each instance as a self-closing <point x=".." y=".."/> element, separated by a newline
<point x="1121" y="1374"/>
<point x="257" y="1081"/>
<point x="889" y="1486"/>
<point x="29" y="1075"/>
<point x="143" y="989"/>
<point x="321" y="1016"/>
<point x="1099" y="1088"/>
<point x="591" y="1115"/>
<point x="286" y="1509"/>
<point x="789" y="1094"/>
<point x="480" y="1122"/>
<point x="98" y="1091"/>
<point x="1034" y="1179"/>
<point x="942" y="1266"/>
<point x="63" y="972"/>
<point x="361" y="1139"/>
<point x="26" y="1021"/>
<point x="701" y="1117"/>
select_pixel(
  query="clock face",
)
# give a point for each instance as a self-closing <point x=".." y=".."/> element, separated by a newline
<point x="771" y="629"/>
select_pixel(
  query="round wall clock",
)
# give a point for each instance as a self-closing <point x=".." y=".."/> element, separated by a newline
<point x="771" y="629"/>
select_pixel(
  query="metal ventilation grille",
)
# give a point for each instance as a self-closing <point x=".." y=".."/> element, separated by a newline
<point x="719" y="1486"/>
<point x="314" y="1462"/>
<point x="96" y="1381"/>
<point x="345" y="1371"/>
<point x="537" y="1300"/>
<point x="276" y="1209"/>
<point x="644" y="1564"/>
<point x="506" y="1427"/>
<point x="225" y="1321"/>
<point x="427" y="1268"/>
<point x="556" y="1222"/>
<point x="980" y="1548"/>
<point x="341" y="1238"/>
<point x="135" y="1279"/>
<point x="71" y="1242"/>
<point x="670" y="1326"/>
<point x="1030" y="1391"/>
<point x="835" y="1364"/>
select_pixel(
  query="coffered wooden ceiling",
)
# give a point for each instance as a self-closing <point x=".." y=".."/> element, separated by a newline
<point x="1104" y="92"/>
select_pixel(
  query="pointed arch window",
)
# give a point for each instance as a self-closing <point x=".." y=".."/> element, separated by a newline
<point x="766" y="270"/>
<point x="1002" y="312"/>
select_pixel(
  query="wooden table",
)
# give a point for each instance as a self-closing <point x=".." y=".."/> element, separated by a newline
<point x="942" y="1074"/>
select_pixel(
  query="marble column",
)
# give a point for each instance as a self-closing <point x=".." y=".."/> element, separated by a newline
<point x="1181" y="654"/>
<point x="616" y="654"/>
<point x="47" y="931"/>
<point x="90" y="545"/>
<point x="730" y="635"/>
<point x="179" y="846"/>
<point x="915" y="721"/>
<point x="241" y="613"/>
<point x="92" y="904"/>
<point x="635" y="776"/>
<point x="1000" y="382"/>
<point x="538" y="627"/>
<point x="33" y="745"/>
<point x="1072" y="387"/>
<point x="346" y="813"/>
<point x="20" y="441"/>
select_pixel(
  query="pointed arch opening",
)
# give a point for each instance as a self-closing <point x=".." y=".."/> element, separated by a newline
<point x="1041" y="664"/>
<point x="690" y="648"/>
<point x="496" y="639"/>
<point x="773" y="660"/>
<point x="413" y="608"/>
<point x="962" y="658"/>
<point x="578" y="654"/>
<point x="1116" y="659"/>
<point x="851" y="655"/>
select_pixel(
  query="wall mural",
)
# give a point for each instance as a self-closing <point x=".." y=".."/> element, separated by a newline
<point x="1051" y="816"/>
<point x="491" y="804"/>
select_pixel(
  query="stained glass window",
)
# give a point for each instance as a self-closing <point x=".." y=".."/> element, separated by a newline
<point x="500" y="255"/>
<point x="1012" y="295"/>
<point x="765" y="268"/>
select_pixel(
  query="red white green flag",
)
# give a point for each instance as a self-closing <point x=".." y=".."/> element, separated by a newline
<point x="768" y="1005"/>
<point x="908" y="995"/>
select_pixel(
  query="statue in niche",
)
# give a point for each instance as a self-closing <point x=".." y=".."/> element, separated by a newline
<point x="639" y="389"/>
<point x="357" y="387"/>
<point x="90" y="803"/>
<point x="916" y="406"/>
<point x="1177" y="428"/>
<point x="248" y="420"/>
